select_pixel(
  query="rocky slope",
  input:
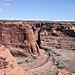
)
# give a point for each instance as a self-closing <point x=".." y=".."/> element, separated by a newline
<point x="8" y="65"/>
<point x="18" y="34"/>
<point x="40" y="47"/>
<point x="56" y="34"/>
<point x="53" y="34"/>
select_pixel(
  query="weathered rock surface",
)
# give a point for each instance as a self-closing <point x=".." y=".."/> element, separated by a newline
<point x="64" y="72"/>
<point x="52" y="34"/>
<point x="18" y="34"/>
<point x="56" y="34"/>
<point x="8" y="65"/>
<point x="26" y="37"/>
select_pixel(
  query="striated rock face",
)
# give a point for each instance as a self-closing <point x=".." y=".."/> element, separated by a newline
<point x="26" y="37"/>
<point x="31" y="39"/>
<point x="47" y="34"/>
<point x="56" y="34"/>
<point x="18" y="34"/>
<point x="8" y="65"/>
<point x="51" y="34"/>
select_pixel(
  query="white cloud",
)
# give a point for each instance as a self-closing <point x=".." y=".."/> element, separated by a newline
<point x="7" y="4"/>
<point x="8" y="0"/>
<point x="1" y="9"/>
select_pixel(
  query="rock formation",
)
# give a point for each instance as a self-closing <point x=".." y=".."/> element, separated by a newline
<point x="8" y="65"/>
<point x="56" y="34"/>
<point x="20" y="34"/>
<point x="53" y="41"/>
<point x="30" y="37"/>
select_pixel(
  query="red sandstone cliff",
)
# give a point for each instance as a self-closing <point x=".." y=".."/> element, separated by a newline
<point x="28" y="36"/>
<point x="18" y="34"/>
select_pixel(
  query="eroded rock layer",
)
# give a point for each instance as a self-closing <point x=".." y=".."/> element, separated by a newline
<point x="56" y="34"/>
<point x="18" y="34"/>
<point x="52" y="34"/>
<point x="30" y="38"/>
<point x="8" y="65"/>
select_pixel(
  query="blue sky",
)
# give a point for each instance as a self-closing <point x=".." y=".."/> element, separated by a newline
<point x="51" y="10"/>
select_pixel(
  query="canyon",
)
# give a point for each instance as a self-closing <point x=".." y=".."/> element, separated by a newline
<point x="39" y="47"/>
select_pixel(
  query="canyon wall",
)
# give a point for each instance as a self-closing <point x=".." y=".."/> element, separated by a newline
<point x="45" y="34"/>
<point x="33" y="37"/>
<point x="55" y="34"/>
<point x="18" y="34"/>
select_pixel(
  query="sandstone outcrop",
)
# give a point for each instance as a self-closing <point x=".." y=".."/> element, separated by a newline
<point x="53" y="41"/>
<point x="59" y="34"/>
<point x="56" y="34"/>
<point x="8" y="65"/>
<point x="19" y="34"/>
<point x="64" y="72"/>
<point x="31" y="38"/>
